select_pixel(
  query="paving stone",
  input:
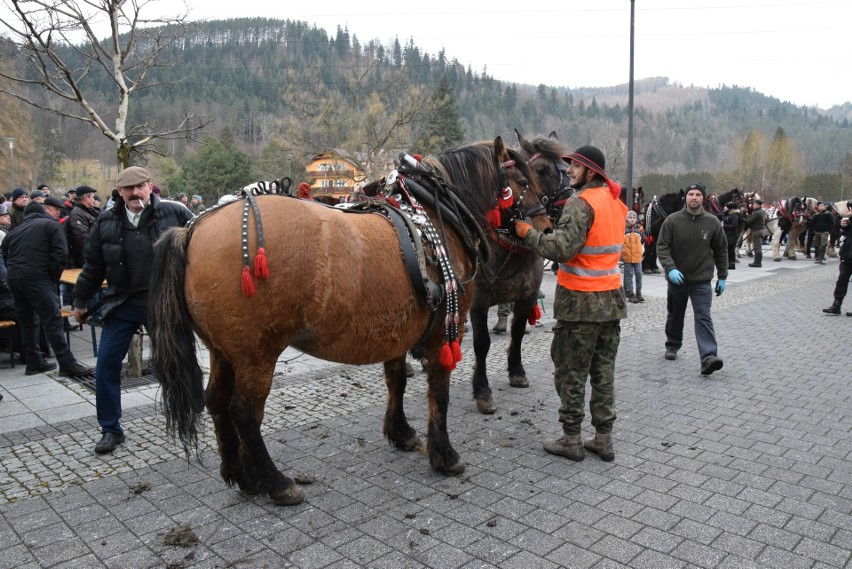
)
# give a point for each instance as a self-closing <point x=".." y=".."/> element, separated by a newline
<point x="749" y="468"/>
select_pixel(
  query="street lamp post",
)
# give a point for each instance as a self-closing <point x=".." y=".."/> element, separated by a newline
<point x="11" y="142"/>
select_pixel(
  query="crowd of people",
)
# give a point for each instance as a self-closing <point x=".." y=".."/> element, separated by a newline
<point x="597" y="245"/>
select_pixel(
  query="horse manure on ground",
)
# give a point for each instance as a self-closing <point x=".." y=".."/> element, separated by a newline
<point x="181" y="536"/>
<point x="304" y="479"/>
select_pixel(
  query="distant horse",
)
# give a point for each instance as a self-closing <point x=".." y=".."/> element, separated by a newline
<point x="327" y="200"/>
<point x="355" y="288"/>
<point x="839" y="210"/>
<point x="715" y="203"/>
<point x="512" y="275"/>
<point x="657" y="212"/>
<point x="791" y="216"/>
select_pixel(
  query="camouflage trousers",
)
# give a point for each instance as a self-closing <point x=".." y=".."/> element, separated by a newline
<point x="582" y="350"/>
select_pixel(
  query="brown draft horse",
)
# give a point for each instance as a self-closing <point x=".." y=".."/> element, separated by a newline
<point x="337" y="289"/>
<point x="512" y="274"/>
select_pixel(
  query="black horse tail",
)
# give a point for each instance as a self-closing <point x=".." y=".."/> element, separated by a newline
<point x="173" y="356"/>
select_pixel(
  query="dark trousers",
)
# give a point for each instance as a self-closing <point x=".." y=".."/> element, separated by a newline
<point x="701" y="295"/>
<point x="842" y="282"/>
<point x="118" y="330"/>
<point x="37" y="301"/>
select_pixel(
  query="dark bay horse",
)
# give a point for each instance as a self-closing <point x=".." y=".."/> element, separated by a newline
<point x="657" y="211"/>
<point x="332" y="284"/>
<point x="513" y="274"/>
<point x="715" y="203"/>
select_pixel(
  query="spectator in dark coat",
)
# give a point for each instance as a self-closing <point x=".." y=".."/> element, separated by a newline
<point x="35" y="257"/>
<point x="19" y="200"/>
<point x="79" y="224"/>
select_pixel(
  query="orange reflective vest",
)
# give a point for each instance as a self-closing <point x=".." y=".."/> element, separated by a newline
<point x="595" y="267"/>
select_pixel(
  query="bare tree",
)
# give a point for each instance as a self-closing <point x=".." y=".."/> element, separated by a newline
<point x="43" y="34"/>
<point x="368" y="114"/>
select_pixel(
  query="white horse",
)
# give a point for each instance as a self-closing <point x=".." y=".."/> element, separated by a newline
<point x="791" y="217"/>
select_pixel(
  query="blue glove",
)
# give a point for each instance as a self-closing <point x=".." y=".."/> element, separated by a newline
<point x="720" y="287"/>
<point x="676" y="277"/>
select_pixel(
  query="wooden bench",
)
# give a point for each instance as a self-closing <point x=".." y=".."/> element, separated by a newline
<point x="6" y="328"/>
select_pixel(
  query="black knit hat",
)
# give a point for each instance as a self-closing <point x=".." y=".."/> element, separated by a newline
<point x="699" y="187"/>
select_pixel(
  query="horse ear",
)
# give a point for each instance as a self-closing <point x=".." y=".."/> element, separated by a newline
<point x="500" y="149"/>
<point x="553" y="135"/>
<point x="525" y="144"/>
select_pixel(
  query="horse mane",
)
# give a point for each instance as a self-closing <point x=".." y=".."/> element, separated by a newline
<point x="479" y="161"/>
<point x="549" y="147"/>
<point x="672" y="201"/>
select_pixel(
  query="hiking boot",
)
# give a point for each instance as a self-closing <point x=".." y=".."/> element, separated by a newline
<point x="569" y="446"/>
<point x="732" y="266"/>
<point x="639" y="297"/>
<point x="710" y="365"/>
<point x="631" y="298"/>
<point x="75" y="369"/>
<point x="108" y="443"/>
<point x="758" y="265"/>
<point x="500" y="327"/>
<point x="849" y="314"/>
<point x="601" y="445"/>
<point x="833" y="309"/>
<point x="671" y="354"/>
<point x="39" y="367"/>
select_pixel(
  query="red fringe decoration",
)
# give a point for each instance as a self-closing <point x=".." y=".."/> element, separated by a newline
<point x="393" y="203"/>
<point x="455" y="347"/>
<point x="535" y="315"/>
<point x="446" y="358"/>
<point x="418" y="157"/>
<point x="248" y="282"/>
<point x="494" y="217"/>
<point x="261" y="267"/>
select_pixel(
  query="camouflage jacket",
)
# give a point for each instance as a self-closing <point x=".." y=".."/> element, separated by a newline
<point x="562" y="244"/>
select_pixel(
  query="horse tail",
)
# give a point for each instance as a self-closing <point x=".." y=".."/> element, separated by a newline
<point x="173" y="355"/>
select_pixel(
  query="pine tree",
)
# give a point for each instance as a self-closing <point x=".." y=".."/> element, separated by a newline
<point x="443" y="128"/>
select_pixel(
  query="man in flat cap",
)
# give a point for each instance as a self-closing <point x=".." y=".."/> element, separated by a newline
<point x="120" y="249"/>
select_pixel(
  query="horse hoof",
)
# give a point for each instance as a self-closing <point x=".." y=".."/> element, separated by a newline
<point x="486" y="405"/>
<point x="456" y="469"/>
<point x="518" y="381"/>
<point x="409" y="444"/>
<point x="291" y="495"/>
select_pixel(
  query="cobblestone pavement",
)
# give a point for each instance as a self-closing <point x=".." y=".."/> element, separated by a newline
<point x="749" y="467"/>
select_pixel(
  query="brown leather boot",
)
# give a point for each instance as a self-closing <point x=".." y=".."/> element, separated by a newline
<point x="569" y="446"/>
<point x="500" y="327"/>
<point x="601" y="445"/>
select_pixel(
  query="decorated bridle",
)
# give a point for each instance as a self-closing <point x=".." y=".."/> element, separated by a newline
<point x="556" y="202"/>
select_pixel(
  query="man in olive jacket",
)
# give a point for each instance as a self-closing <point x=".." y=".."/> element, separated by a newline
<point x="120" y="249"/>
<point x="690" y="246"/>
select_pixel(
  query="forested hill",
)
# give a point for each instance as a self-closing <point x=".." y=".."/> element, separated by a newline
<point x="273" y="80"/>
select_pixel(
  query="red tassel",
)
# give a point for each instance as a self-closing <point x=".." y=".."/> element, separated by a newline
<point x="507" y="199"/>
<point x="455" y="347"/>
<point x="248" y="282"/>
<point x="614" y="189"/>
<point x="494" y="217"/>
<point x="261" y="267"/>
<point x="535" y="315"/>
<point x="418" y="157"/>
<point x="446" y="359"/>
